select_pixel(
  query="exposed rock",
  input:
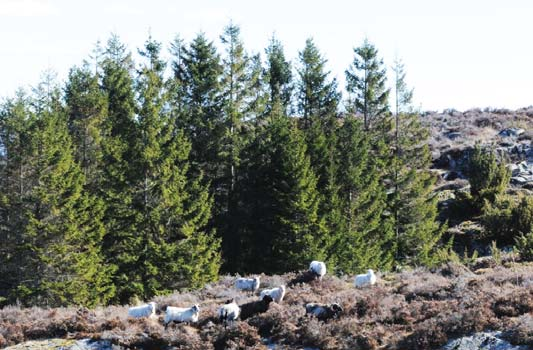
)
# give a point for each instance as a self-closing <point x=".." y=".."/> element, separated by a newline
<point x="482" y="341"/>
<point x="522" y="173"/>
<point x="452" y="135"/>
<point x="65" y="344"/>
<point x="511" y="132"/>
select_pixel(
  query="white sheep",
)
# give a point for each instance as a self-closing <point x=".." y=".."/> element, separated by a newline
<point x="230" y="311"/>
<point x="318" y="268"/>
<point x="145" y="310"/>
<point x="248" y="284"/>
<point x="181" y="314"/>
<point x="365" y="280"/>
<point x="277" y="294"/>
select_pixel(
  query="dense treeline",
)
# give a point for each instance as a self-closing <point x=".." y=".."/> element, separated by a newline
<point x="138" y="178"/>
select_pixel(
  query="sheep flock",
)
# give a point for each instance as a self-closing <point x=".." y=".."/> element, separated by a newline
<point x="230" y="311"/>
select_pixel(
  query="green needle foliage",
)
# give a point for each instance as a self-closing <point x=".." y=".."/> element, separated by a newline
<point x="366" y="82"/>
<point x="136" y="179"/>
<point x="366" y="235"/>
<point x="279" y="201"/>
<point x="59" y="255"/>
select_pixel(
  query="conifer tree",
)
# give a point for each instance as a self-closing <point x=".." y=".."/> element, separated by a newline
<point x="366" y="82"/>
<point x="16" y="121"/>
<point x="173" y="208"/>
<point x="412" y="202"/>
<point x="87" y="107"/>
<point x="199" y="69"/>
<point x="282" y="228"/>
<point x="63" y="231"/>
<point x="317" y="96"/>
<point x="278" y="75"/>
<point x="317" y="104"/>
<point x="257" y="92"/>
<point x="366" y="238"/>
<point x="235" y="93"/>
<point x="121" y="242"/>
<point x="488" y="177"/>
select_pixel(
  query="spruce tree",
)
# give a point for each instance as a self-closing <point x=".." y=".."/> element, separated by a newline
<point x="87" y="108"/>
<point x="63" y="232"/>
<point x="16" y="126"/>
<point x="199" y="70"/>
<point x="366" y="238"/>
<point x="317" y="95"/>
<point x="235" y="94"/>
<point x="317" y="104"/>
<point x="175" y="251"/>
<point x="121" y="242"/>
<point x="281" y="227"/>
<point x="366" y="82"/>
<point x="412" y="202"/>
<point x="278" y="75"/>
<point x="257" y="92"/>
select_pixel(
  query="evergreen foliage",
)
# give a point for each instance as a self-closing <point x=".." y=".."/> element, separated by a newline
<point x="198" y="72"/>
<point x="366" y="237"/>
<point x="278" y="75"/>
<point x="279" y="201"/>
<point x="58" y="255"/>
<point x="131" y="183"/>
<point x="366" y="82"/>
<point x="317" y="97"/>
<point x="121" y="241"/>
<point x="87" y="108"/>
<point x="412" y="202"/>
<point x="488" y="177"/>
<point x="175" y="251"/>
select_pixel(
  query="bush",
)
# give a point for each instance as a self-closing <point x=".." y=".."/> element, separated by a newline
<point x="507" y="219"/>
<point x="488" y="178"/>
<point x="524" y="245"/>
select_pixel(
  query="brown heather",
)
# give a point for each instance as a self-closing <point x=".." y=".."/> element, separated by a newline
<point x="416" y="309"/>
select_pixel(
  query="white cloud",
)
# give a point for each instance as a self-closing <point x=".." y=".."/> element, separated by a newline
<point x="27" y="8"/>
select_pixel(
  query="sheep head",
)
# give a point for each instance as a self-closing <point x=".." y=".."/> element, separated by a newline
<point x="267" y="299"/>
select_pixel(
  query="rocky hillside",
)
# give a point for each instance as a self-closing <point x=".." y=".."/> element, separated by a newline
<point x="453" y="135"/>
<point x="417" y="309"/>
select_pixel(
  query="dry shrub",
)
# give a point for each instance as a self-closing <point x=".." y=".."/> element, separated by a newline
<point x="425" y="285"/>
<point x="238" y="336"/>
<point x="311" y="333"/>
<point x="428" y="336"/>
<point x="416" y="309"/>
<point x="184" y="337"/>
<point x="516" y="303"/>
<point x="521" y="331"/>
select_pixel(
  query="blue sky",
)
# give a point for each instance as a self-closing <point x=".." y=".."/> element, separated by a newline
<point x="458" y="54"/>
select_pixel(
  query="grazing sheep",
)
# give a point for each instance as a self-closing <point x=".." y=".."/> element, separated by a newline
<point x="255" y="307"/>
<point x="304" y="277"/>
<point x="323" y="311"/>
<point x="145" y="310"/>
<point x="248" y="284"/>
<point x="181" y="314"/>
<point x="229" y="312"/>
<point x="277" y="294"/>
<point x="318" y="268"/>
<point x="365" y="280"/>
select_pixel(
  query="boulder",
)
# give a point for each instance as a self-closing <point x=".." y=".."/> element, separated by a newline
<point x="482" y="341"/>
<point x="511" y="132"/>
<point x="453" y="135"/>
